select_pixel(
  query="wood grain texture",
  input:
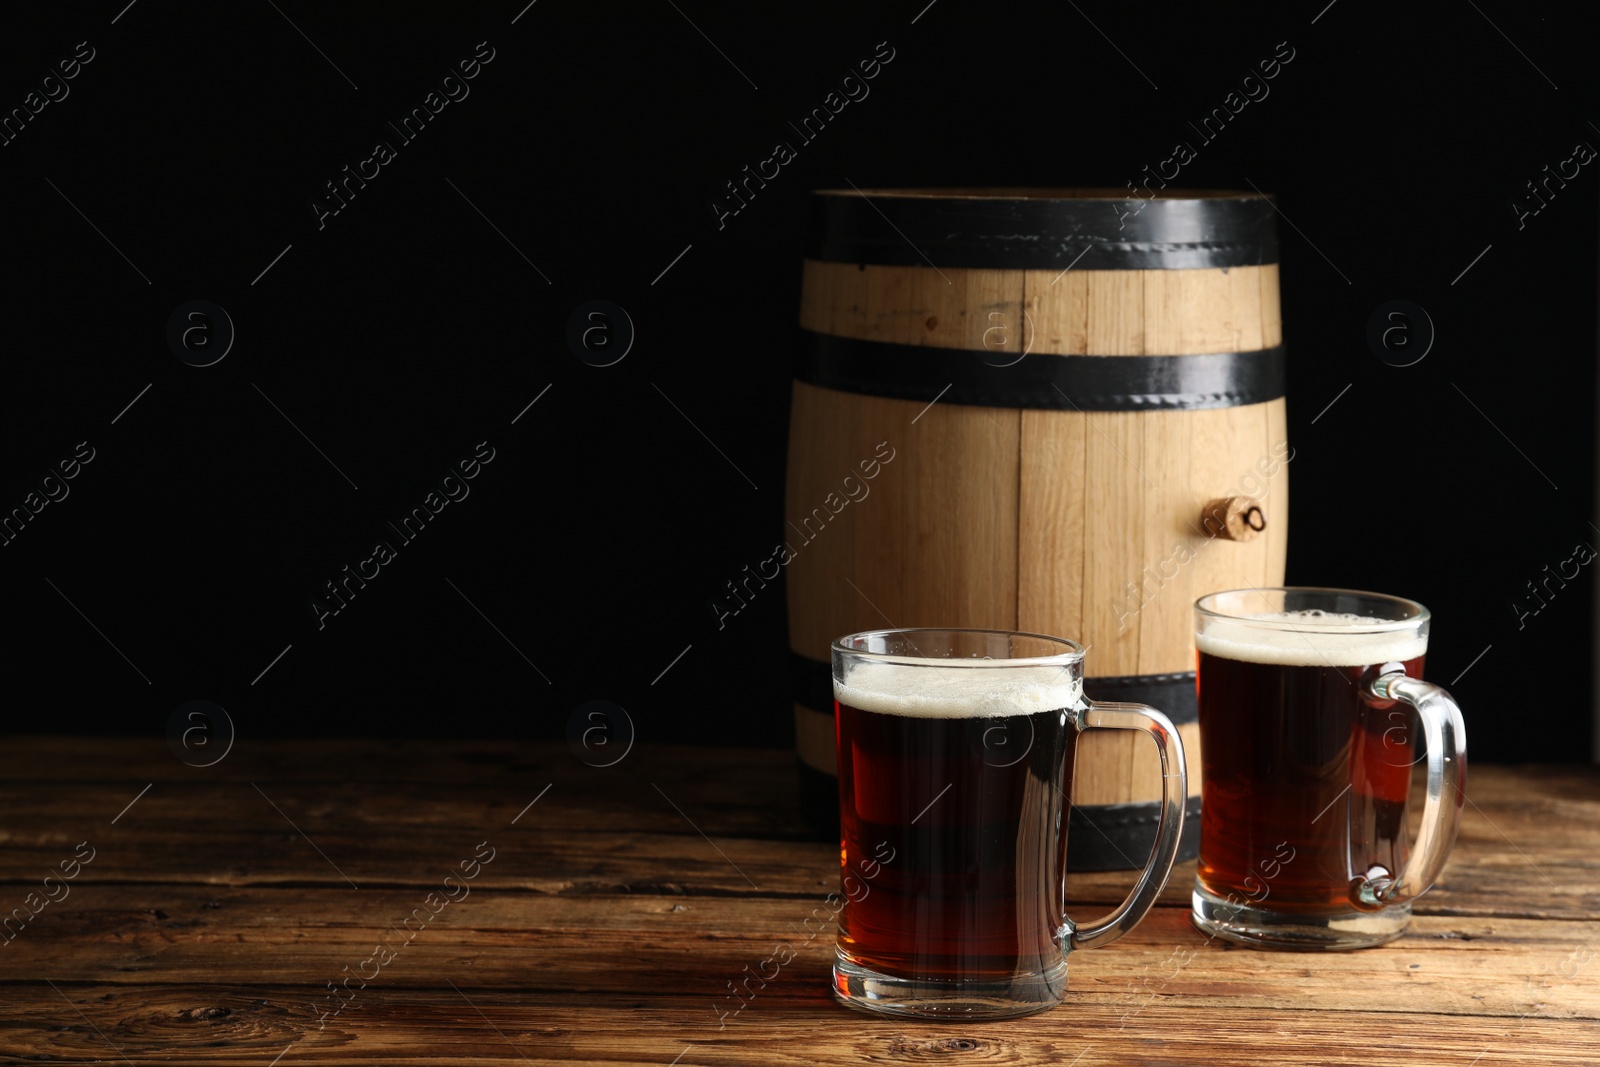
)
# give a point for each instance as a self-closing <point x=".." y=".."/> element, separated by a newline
<point x="606" y="928"/>
<point x="469" y="1026"/>
<point x="1077" y="312"/>
<point x="1527" y="845"/>
<point x="948" y="490"/>
<point x="1275" y="494"/>
<point x="1052" y="523"/>
<point x="625" y="944"/>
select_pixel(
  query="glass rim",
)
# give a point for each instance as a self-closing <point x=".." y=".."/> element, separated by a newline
<point x="1419" y="614"/>
<point x="1073" y="652"/>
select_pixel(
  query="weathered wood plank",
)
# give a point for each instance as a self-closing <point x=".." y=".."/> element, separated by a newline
<point x="1526" y="846"/>
<point x="469" y="1026"/>
<point x="1476" y="882"/>
<point x="641" y="946"/>
<point x="606" y="929"/>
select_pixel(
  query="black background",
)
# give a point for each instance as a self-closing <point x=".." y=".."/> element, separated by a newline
<point x="410" y="327"/>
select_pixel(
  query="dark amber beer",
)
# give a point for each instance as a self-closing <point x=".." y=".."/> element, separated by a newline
<point x="955" y="752"/>
<point x="1307" y="767"/>
<point x="1308" y="755"/>
<point x="950" y="787"/>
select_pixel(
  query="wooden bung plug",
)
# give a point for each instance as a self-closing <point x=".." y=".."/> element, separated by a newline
<point x="1233" y="518"/>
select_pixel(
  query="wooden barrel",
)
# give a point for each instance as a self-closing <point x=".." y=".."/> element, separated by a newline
<point x="1056" y="411"/>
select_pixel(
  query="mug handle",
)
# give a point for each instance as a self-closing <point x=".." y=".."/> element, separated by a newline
<point x="1446" y="736"/>
<point x="1096" y="715"/>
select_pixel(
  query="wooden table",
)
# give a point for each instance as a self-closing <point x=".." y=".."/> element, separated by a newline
<point x="608" y="909"/>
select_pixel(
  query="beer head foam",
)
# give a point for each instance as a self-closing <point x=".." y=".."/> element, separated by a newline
<point x="957" y="692"/>
<point x="1310" y="638"/>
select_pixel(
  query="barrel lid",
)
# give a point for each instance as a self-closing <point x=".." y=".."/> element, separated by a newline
<point x="1044" y="229"/>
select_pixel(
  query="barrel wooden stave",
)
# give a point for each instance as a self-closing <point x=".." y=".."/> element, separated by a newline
<point x="1081" y="312"/>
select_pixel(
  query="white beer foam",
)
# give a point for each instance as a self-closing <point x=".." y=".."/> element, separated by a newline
<point x="957" y="692"/>
<point x="1313" y="638"/>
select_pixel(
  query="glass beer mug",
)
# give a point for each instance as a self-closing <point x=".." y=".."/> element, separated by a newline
<point x="1311" y="706"/>
<point x="955" y="775"/>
